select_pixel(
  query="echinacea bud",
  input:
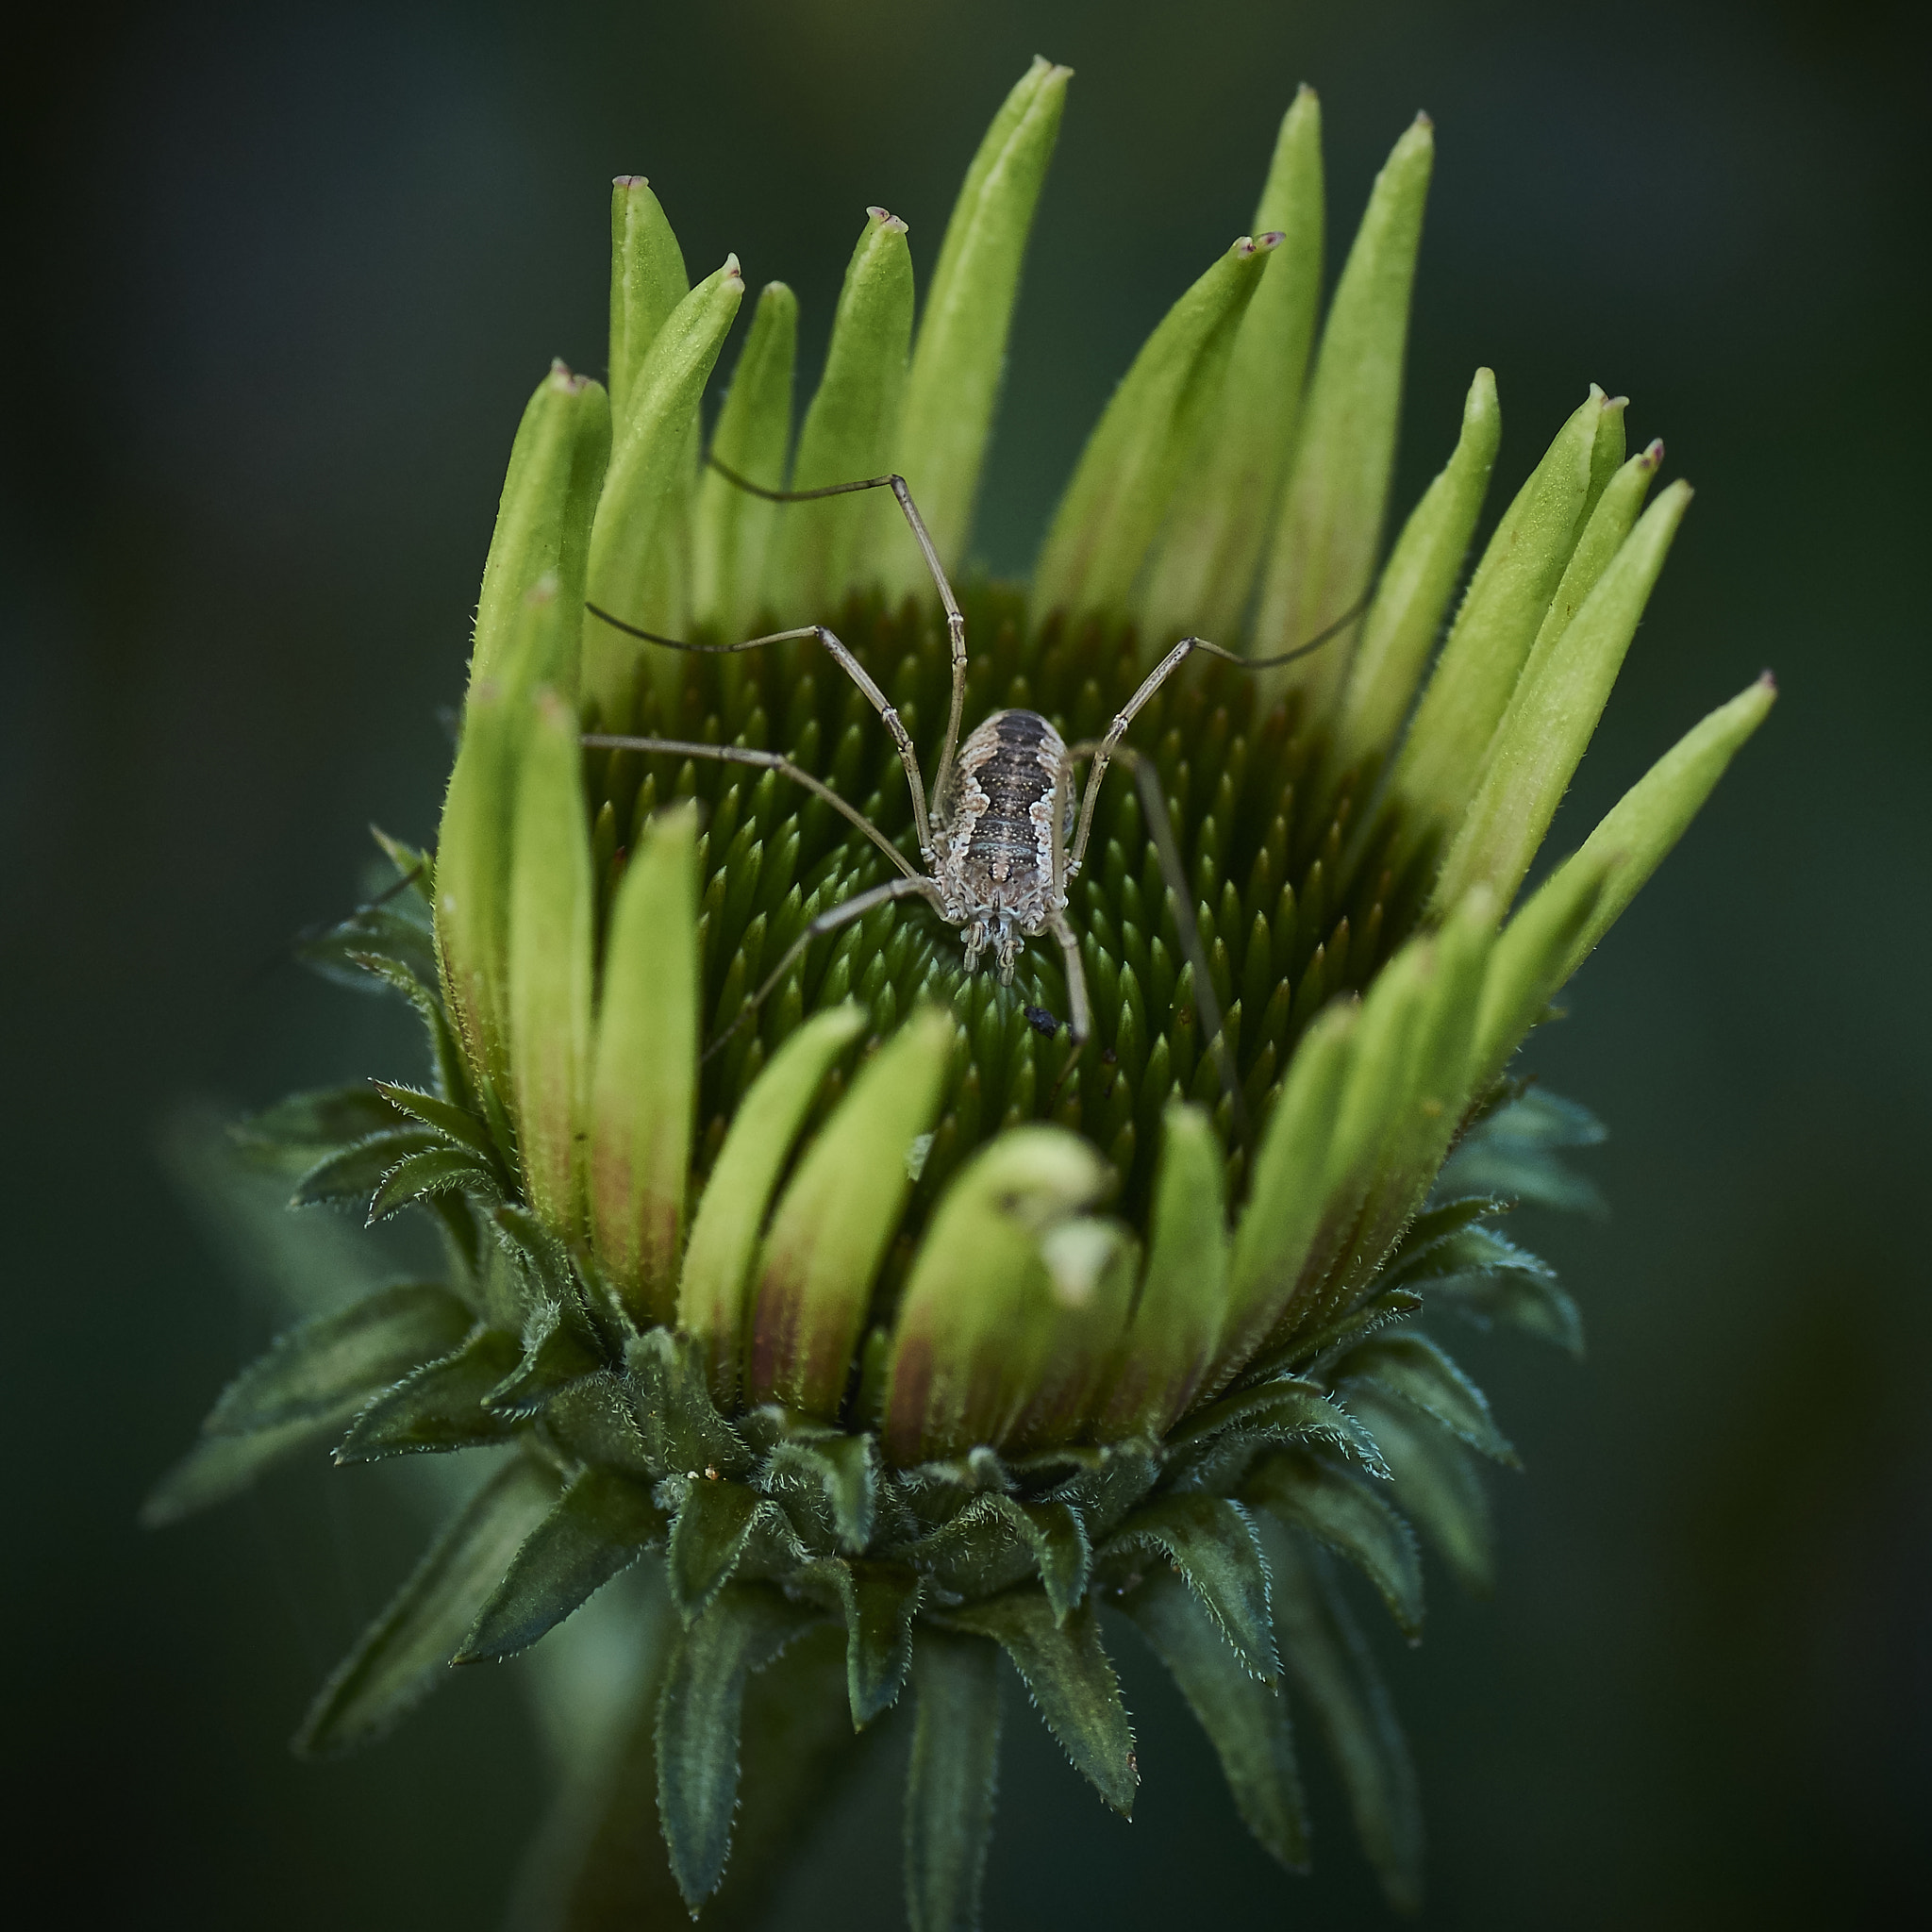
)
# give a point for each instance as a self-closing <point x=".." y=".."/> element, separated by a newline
<point x="1164" y="1354"/>
<point x="1640" y="829"/>
<point x="636" y="570"/>
<point x="1011" y="1264"/>
<point x="473" y="872"/>
<point x="1416" y="584"/>
<point x="647" y="281"/>
<point x="1329" y="526"/>
<point x="1502" y="610"/>
<point x="831" y="1325"/>
<point x="643" y="1071"/>
<point x="1203" y="571"/>
<point x="543" y="520"/>
<point x="851" y="430"/>
<point x="1288" y="1192"/>
<point x="960" y="354"/>
<point x="1554" y="714"/>
<point x="552" y="914"/>
<point x="1602" y="537"/>
<point x="831" y="1227"/>
<point x="733" y="531"/>
<point x="714" y="1292"/>
<point x="1131" y="466"/>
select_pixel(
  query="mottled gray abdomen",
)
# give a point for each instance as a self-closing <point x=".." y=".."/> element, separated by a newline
<point x="999" y="812"/>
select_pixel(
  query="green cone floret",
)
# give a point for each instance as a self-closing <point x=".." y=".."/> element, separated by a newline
<point x="872" y="1320"/>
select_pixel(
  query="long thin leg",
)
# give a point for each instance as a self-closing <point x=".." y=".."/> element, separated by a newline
<point x="955" y="622"/>
<point x="1080" y="1021"/>
<point x="844" y="913"/>
<point x="856" y="672"/>
<point x="1152" y="683"/>
<point x="1161" y="829"/>
<point x="765" y="761"/>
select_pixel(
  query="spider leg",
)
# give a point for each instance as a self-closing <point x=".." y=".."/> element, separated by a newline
<point x="956" y="622"/>
<point x="1160" y="829"/>
<point x="766" y="762"/>
<point x="856" y="672"/>
<point x="1104" y="751"/>
<point x="844" y="913"/>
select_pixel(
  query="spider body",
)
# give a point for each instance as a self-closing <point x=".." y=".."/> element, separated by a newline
<point x="999" y="841"/>
<point x="999" y="832"/>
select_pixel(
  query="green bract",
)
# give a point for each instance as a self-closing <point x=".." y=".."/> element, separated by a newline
<point x="895" y="1333"/>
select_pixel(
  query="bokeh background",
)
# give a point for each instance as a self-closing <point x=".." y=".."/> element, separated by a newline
<point x="280" y="279"/>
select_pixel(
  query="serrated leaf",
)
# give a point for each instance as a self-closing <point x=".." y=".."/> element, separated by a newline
<point x="1211" y="1542"/>
<point x="296" y="1132"/>
<point x="591" y="1419"/>
<point x="1521" y="1172"/>
<point x="745" y="1628"/>
<point x="441" y="1406"/>
<point x="708" y="1539"/>
<point x="554" y="1352"/>
<point x="878" y="1602"/>
<point x="842" y="1468"/>
<point x="1438" y="1487"/>
<point x="1246" y="1720"/>
<point x="1432" y="1227"/>
<point x="1066" y="1670"/>
<point x="1285" y="1411"/>
<point x="316" y="1367"/>
<point x="219" y="1467"/>
<point x="978" y="1552"/>
<point x="1349" y="1517"/>
<point x="396" y="1662"/>
<point x="682" y="1428"/>
<point x="1331" y="1665"/>
<point x="439" y="1170"/>
<point x="1102" y="1494"/>
<point x="603" y="1866"/>
<point x="355" y="1172"/>
<point x="455" y="1123"/>
<point x="1383" y="1311"/>
<point x="446" y="1055"/>
<point x="1415" y="1370"/>
<point x="949" y="1785"/>
<point x="341" y="953"/>
<point x="598" y="1527"/>
<point x="1533" y="1303"/>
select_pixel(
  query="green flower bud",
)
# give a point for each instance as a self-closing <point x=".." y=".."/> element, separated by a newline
<point x="875" y="1315"/>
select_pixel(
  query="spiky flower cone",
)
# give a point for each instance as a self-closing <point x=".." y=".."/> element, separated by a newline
<point x="886" y="1323"/>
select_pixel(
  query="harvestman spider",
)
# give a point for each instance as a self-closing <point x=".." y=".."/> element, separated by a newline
<point x="993" y="845"/>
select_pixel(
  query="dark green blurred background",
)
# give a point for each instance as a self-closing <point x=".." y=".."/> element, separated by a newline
<point x="281" y="280"/>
